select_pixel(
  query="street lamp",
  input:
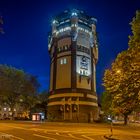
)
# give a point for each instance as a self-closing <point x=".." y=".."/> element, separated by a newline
<point x="118" y="71"/>
<point x="110" y="117"/>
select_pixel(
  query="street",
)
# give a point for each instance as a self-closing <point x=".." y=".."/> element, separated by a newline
<point x="16" y="130"/>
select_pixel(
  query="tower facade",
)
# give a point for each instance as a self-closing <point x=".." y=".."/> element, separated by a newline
<point x="73" y="52"/>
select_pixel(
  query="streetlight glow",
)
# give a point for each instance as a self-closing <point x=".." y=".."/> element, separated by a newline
<point x="118" y="71"/>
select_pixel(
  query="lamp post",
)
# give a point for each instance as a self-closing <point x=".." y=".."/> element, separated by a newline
<point x="77" y="102"/>
<point x="111" y="123"/>
<point x="118" y="71"/>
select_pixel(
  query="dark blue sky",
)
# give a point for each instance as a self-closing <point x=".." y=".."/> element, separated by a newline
<point x="27" y="22"/>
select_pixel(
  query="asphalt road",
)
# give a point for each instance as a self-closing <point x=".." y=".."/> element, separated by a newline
<point x="15" y="130"/>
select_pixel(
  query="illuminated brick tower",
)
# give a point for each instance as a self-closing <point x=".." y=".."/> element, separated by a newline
<point x="73" y="51"/>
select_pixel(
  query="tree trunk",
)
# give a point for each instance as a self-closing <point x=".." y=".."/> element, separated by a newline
<point x="125" y="119"/>
<point x="12" y="111"/>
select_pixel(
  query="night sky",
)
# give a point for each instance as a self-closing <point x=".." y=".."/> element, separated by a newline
<point x="27" y="23"/>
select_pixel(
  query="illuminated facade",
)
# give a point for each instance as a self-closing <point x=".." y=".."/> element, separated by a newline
<point x="73" y="51"/>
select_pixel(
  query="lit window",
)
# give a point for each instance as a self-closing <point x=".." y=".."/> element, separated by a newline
<point x="61" y="61"/>
<point x="63" y="30"/>
<point x="34" y="117"/>
<point x="4" y="108"/>
<point x="74" y="25"/>
<point x="67" y="28"/>
<point x="59" y="49"/>
<point x="80" y="20"/>
<point x="65" y="61"/>
<point x="49" y="45"/>
<point x="62" y="22"/>
<point x="66" y="47"/>
<point x="54" y="31"/>
<point x="54" y="21"/>
<point x="57" y="32"/>
<point x="86" y="31"/>
<point x="67" y="20"/>
<point x="74" y="14"/>
<point x="85" y="22"/>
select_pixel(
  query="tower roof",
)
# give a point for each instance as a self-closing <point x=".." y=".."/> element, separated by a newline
<point x="74" y="12"/>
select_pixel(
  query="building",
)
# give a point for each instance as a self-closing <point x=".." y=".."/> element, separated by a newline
<point x="18" y="112"/>
<point x="73" y="51"/>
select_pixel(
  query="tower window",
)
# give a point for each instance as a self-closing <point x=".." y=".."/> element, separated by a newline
<point x="66" y="47"/>
<point x="83" y="72"/>
<point x="74" y="14"/>
<point x="63" y="61"/>
<point x="74" y="25"/>
<point x="58" y="49"/>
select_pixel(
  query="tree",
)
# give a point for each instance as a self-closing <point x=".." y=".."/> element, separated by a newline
<point x="106" y="103"/>
<point x="29" y="97"/>
<point x="122" y="81"/>
<point x="42" y="102"/>
<point x="134" y="39"/>
<point x="134" y="50"/>
<point x="16" y="86"/>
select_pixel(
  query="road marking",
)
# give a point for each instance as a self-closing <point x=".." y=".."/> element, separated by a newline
<point x="87" y="137"/>
<point x="18" y="138"/>
<point x="44" y="137"/>
<point x="49" y="130"/>
<point x="18" y="127"/>
<point x="75" y="137"/>
<point x="57" y="133"/>
<point x="5" y="135"/>
<point x="81" y="132"/>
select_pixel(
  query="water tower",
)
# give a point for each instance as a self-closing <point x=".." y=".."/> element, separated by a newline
<point x="73" y="52"/>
